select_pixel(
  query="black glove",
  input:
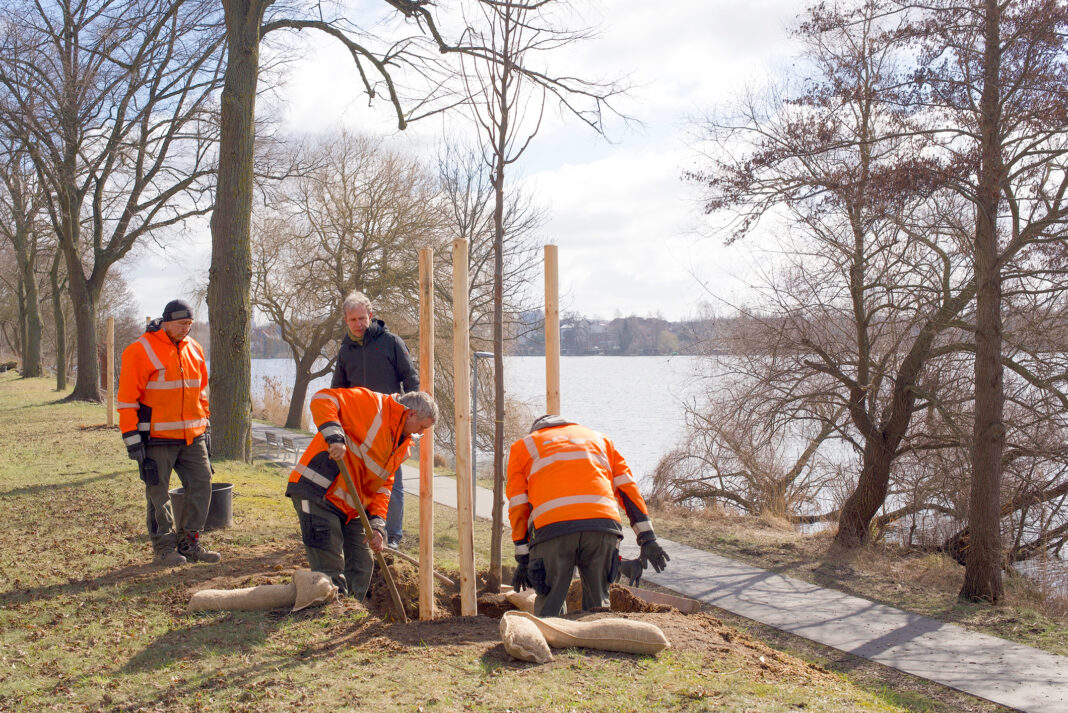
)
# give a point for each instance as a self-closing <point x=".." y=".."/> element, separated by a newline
<point x="149" y="471"/>
<point x="653" y="553"/>
<point x="536" y="577"/>
<point x="520" y="581"/>
<point x="136" y="451"/>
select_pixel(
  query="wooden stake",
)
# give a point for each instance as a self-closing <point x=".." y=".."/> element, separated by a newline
<point x="461" y="374"/>
<point x="552" y="331"/>
<point x="426" y="442"/>
<point x="110" y="376"/>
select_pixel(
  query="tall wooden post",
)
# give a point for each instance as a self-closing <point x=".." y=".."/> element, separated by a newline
<point x="461" y="374"/>
<point x="552" y="331"/>
<point x="109" y="378"/>
<point x="426" y="444"/>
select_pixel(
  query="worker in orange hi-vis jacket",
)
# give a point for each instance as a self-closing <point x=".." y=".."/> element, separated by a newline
<point x="372" y="433"/>
<point x="564" y="484"/>
<point x="163" y="416"/>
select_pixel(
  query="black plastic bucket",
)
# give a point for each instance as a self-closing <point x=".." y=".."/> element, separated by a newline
<point x="220" y="509"/>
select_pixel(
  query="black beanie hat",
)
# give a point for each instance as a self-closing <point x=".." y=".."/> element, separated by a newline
<point x="177" y="309"/>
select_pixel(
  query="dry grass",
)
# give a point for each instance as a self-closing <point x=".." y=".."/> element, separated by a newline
<point x="923" y="583"/>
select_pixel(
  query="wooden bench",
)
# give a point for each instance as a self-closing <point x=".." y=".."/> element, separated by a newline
<point x="289" y="445"/>
<point x="273" y="442"/>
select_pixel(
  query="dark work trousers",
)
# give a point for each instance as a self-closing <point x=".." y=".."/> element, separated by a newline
<point x="336" y="548"/>
<point x="395" y="513"/>
<point x="191" y="464"/>
<point x="594" y="553"/>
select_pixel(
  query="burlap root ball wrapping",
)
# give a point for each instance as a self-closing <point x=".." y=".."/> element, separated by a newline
<point x="626" y="635"/>
<point x="523" y="640"/>
<point x="523" y="601"/>
<point x="307" y="589"/>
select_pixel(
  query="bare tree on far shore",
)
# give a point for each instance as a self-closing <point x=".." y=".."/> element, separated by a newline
<point x="355" y="219"/>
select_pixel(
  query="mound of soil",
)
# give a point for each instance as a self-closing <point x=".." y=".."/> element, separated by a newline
<point x="406" y="577"/>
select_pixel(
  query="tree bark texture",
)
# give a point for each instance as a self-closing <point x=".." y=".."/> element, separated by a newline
<point x="61" y="324"/>
<point x="230" y="277"/>
<point x="83" y="295"/>
<point x="982" y="573"/>
<point x="31" y="310"/>
<point x="300" y="397"/>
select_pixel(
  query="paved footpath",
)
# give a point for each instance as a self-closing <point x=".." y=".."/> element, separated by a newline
<point x="1006" y="673"/>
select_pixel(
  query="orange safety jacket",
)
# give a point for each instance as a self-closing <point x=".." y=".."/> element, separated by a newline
<point x="566" y="478"/>
<point x="371" y="425"/>
<point x="163" y="390"/>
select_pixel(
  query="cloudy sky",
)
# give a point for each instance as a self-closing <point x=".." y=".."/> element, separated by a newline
<point x="630" y="232"/>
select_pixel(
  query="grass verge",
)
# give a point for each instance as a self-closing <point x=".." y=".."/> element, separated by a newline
<point x="87" y="624"/>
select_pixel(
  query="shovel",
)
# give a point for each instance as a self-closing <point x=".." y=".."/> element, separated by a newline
<point x="369" y="534"/>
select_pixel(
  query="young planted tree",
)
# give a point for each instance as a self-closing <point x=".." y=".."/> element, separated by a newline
<point x="111" y="99"/>
<point x="508" y="104"/>
<point x="354" y="220"/>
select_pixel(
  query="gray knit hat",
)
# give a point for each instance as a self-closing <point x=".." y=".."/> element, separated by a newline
<point x="177" y="309"/>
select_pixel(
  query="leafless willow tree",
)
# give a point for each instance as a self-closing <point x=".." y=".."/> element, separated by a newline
<point x="875" y="169"/>
<point x="355" y="219"/>
<point x="861" y="298"/>
<point x="112" y="99"/>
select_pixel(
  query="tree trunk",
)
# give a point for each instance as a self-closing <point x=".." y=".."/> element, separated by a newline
<point x="20" y="311"/>
<point x="300" y="396"/>
<point x="496" y="541"/>
<point x="83" y="294"/>
<point x="854" y="523"/>
<point x="31" y="344"/>
<point x="230" y="277"/>
<point x="982" y="573"/>
<point x="60" y="323"/>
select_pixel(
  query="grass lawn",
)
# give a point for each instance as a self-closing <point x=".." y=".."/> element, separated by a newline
<point x="88" y="624"/>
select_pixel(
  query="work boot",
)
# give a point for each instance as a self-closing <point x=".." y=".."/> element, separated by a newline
<point x="170" y="558"/>
<point x="189" y="547"/>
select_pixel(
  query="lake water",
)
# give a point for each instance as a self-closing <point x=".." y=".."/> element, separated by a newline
<point x="635" y="401"/>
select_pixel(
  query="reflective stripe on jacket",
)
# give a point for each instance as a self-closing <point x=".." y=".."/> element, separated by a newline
<point x="568" y="478"/>
<point x="163" y="390"/>
<point x="371" y="425"/>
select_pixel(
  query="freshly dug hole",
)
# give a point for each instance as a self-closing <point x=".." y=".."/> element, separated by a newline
<point x="490" y="604"/>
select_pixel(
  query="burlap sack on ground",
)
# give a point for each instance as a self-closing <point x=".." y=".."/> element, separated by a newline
<point x="523" y="640"/>
<point x="626" y="635"/>
<point x="265" y="596"/>
<point x="523" y="601"/>
<point x="313" y="588"/>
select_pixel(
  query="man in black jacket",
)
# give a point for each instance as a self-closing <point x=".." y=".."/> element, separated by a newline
<point x="373" y="357"/>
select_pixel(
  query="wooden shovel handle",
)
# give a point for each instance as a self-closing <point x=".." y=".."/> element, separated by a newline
<point x="369" y="534"/>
